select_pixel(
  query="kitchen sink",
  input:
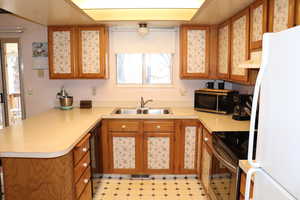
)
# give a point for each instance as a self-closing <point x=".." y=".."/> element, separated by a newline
<point x="145" y="111"/>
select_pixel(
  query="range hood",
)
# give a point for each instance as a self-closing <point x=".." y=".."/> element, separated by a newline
<point x="254" y="62"/>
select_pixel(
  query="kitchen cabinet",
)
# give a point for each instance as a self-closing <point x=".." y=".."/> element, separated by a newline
<point x="64" y="177"/>
<point x="239" y="46"/>
<point x="206" y="160"/>
<point x="150" y="146"/>
<point x="281" y="14"/>
<point x="243" y="186"/>
<point x="223" y="64"/>
<point x="62" y="50"/>
<point x="194" y="55"/>
<point x="77" y="52"/>
<point x="125" y="146"/>
<point x="188" y="147"/>
<point x="258" y="23"/>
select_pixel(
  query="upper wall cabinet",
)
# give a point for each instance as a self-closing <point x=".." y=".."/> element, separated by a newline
<point x="281" y="14"/>
<point x="62" y="60"/>
<point x="92" y="52"/>
<point x="223" y="65"/>
<point x="258" y="23"/>
<point x="194" y="48"/>
<point x="239" y="46"/>
<point x="77" y="52"/>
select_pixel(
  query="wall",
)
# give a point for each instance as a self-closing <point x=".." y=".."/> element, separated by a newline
<point x="40" y="92"/>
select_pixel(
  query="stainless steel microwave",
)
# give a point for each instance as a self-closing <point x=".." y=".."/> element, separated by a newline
<point x="215" y="101"/>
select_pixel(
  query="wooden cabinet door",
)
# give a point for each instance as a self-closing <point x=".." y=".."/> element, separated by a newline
<point x="189" y="138"/>
<point x="92" y="51"/>
<point x="61" y="45"/>
<point x="199" y="150"/>
<point x="223" y="64"/>
<point x="194" y="49"/>
<point x="281" y="14"/>
<point x="258" y="23"/>
<point x="125" y="151"/>
<point x="206" y="166"/>
<point x="239" y="46"/>
<point x="158" y="153"/>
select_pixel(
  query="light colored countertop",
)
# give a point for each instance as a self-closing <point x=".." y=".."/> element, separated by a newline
<point x="55" y="132"/>
<point x="244" y="165"/>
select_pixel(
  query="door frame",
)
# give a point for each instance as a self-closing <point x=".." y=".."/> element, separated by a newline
<point x="21" y="75"/>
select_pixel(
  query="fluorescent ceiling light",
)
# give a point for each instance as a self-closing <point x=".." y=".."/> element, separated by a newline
<point x="107" y="4"/>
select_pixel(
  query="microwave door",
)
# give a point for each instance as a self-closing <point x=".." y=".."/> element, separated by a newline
<point x="205" y="101"/>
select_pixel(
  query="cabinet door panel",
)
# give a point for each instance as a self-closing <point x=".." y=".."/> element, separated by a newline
<point x="240" y="46"/>
<point x="194" y="52"/>
<point x="61" y="52"/>
<point x="92" y="52"/>
<point x="159" y="153"/>
<point x="223" y="50"/>
<point x="258" y="23"/>
<point x="190" y="136"/>
<point x="281" y="15"/>
<point x="206" y="166"/>
<point x="124" y="152"/>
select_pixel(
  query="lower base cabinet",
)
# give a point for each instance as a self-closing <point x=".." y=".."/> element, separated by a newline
<point x="65" y="177"/>
<point x="150" y="146"/>
<point x="243" y="186"/>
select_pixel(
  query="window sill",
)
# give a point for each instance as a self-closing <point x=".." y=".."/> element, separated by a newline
<point x="145" y="86"/>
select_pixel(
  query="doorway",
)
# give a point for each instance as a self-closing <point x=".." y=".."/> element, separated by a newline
<point x="12" y="108"/>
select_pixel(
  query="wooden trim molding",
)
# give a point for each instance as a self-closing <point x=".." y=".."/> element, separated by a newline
<point x="184" y="51"/>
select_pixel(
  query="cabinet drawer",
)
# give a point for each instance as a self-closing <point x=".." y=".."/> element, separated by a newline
<point x="83" y="164"/>
<point x="207" y="138"/>
<point x="81" y="149"/>
<point x="87" y="193"/>
<point x="83" y="181"/>
<point x="159" y="126"/>
<point x="123" y="125"/>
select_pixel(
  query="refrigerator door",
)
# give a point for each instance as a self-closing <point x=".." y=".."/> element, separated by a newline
<point x="279" y="115"/>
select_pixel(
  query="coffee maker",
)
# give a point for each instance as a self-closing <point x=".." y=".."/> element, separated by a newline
<point x="242" y="107"/>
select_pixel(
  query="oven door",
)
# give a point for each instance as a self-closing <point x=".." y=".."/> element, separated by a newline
<point x="223" y="177"/>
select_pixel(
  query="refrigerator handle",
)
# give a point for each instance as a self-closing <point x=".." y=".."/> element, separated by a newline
<point x="269" y="178"/>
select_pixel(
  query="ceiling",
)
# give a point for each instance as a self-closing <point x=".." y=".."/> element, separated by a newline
<point x="62" y="12"/>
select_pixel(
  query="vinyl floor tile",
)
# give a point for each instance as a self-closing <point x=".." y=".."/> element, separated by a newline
<point x="170" y="188"/>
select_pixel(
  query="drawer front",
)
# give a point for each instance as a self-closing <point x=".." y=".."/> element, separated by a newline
<point x="159" y="126"/>
<point x="83" y="182"/>
<point x="123" y="125"/>
<point x="87" y="193"/>
<point x="81" y="149"/>
<point x="207" y="138"/>
<point x="83" y="164"/>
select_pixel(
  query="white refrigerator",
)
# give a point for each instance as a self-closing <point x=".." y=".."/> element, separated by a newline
<point x="277" y="166"/>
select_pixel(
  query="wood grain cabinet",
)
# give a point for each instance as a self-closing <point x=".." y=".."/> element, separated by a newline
<point x="189" y="138"/>
<point x="281" y="14"/>
<point x="223" y="51"/>
<point x="239" y="46"/>
<point x="77" y="52"/>
<point x="258" y="23"/>
<point x="243" y="186"/>
<point x="64" y="177"/>
<point x="194" y="41"/>
<point x="207" y="158"/>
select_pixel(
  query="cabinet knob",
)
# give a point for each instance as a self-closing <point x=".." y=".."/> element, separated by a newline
<point x="157" y="126"/>
<point x="85" y="164"/>
<point x="205" y="139"/>
<point x="123" y="126"/>
<point x="85" y="180"/>
<point x="84" y="149"/>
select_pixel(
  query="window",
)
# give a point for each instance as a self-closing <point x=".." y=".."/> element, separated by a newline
<point x="144" y="69"/>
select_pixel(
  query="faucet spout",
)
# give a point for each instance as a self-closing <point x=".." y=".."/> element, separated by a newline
<point x="143" y="103"/>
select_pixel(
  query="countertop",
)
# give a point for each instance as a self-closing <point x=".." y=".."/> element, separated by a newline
<point x="244" y="165"/>
<point x="55" y="132"/>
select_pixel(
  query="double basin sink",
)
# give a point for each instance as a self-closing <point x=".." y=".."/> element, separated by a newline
<point x="145" y="111"/>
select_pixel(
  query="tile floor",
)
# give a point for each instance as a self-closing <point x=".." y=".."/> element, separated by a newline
<point x="155" y="188"/>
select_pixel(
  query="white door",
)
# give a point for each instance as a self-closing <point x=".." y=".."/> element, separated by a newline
<point x="279" y="115"/>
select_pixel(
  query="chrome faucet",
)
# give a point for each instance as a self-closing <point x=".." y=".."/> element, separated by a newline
<point x="143" y="103"/>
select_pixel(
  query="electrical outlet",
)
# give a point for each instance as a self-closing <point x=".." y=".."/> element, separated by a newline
<point x="94" y="91"/>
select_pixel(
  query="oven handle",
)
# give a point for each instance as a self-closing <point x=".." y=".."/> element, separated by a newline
<point x="231" y="167"/>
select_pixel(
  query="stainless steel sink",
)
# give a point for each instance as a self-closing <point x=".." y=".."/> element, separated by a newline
<point x="146" y="111"/>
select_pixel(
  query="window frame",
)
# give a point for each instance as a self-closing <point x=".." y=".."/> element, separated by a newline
<point x="144" y="75"/>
